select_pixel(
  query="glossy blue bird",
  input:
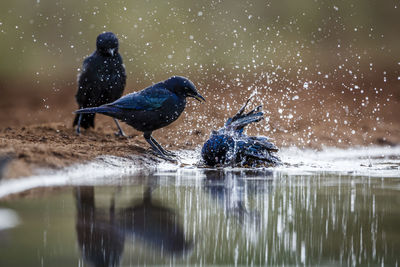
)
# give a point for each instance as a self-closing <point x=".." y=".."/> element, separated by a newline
<point x="152" y="108"/>
<point x="231" y="146"/>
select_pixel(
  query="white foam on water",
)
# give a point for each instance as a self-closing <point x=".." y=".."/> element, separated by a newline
<point x="357" y="161"/>
<point x="360" y="161"/>
<point x="110" y="170"/>
<point x="102" y="170"/>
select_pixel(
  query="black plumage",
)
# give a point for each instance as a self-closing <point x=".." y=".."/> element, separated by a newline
<point x="102" y="79"/>
<point x="152" y="108"/>
<point x="231" y="146"/>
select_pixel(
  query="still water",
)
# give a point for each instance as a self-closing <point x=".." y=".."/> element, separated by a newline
<point x="205" y="216"/>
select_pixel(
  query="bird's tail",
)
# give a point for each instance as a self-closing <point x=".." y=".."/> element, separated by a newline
<point x="86" y="121"/>
<point x="241" y="119"/>
<point x="259" y="148"/>
<point x="105" y="109"/>
<point x="89" y="113"/>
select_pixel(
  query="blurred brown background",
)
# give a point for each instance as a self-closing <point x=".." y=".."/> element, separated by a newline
<point x="327" y="72"/>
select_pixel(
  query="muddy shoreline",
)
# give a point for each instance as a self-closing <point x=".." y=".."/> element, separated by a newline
<point x="39" y="134"/>
<point x="55" y="145"/>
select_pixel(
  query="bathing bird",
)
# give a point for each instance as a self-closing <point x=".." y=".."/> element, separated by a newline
<point x="152" y="108"/>
<point x="231" y="146"/>
<point x="102" y="80"/>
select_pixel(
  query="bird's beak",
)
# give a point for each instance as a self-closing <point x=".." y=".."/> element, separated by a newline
<point x="111" y="51"/>
<point x="199" y="98"/>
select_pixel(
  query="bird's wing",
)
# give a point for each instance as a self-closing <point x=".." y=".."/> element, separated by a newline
<point x="259" y="149"/>
<point x="241" y="119"/>
<point x="86" y="67"/>
<point x="150" y="98"/>
<point x="82" y="95"/>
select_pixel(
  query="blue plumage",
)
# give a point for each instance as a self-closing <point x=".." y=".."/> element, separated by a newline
<point x="231" y="146"/>
<point x="150" y="98"/>
<point x="152" y="108"/>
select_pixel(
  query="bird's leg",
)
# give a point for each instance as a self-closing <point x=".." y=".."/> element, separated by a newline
<point x="159" y="152"/>
<point x="164" y="151"/>
<point x="112" y="207"/>
<point x="147" y="193"/>
<point x="120" y="132"/>
<point x="78" y="130"/>
<point x="148" y="138"/>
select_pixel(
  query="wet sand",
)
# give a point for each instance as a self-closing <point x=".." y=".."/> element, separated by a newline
<point x="36" y="125"/>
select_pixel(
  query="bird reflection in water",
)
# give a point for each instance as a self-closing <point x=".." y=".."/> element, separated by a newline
<point x="102" y="232"/>
<point x="155" y="224"/>
<point x="232" y="192"/>
<point x="100" y="236"/>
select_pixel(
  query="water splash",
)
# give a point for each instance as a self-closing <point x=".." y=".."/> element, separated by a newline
<point x="110" y="170"/>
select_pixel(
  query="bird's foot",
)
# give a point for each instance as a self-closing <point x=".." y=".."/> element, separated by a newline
<point x="169" y="153"/>
<point x="78" y="131"/>
<point x="168" y="158"/>
<point x="163" y="156"/>
<point x="120" y="134"/>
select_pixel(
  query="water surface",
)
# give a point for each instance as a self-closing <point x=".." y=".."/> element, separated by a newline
<point x="185" y="215"/>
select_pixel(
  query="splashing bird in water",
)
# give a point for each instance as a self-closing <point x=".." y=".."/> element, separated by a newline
<point x="101" y="81"/>
<point x="231" y="146"/>
<point x="152" y="108"/>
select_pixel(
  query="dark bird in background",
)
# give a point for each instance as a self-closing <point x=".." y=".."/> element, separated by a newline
<point x="231" y="146"/>
<point x="101" y="81"/>
<point x="152" y="108"/>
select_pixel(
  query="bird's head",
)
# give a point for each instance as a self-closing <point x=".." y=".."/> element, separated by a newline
<point x="107" y="44"/>
<point x="184" y="87"/>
